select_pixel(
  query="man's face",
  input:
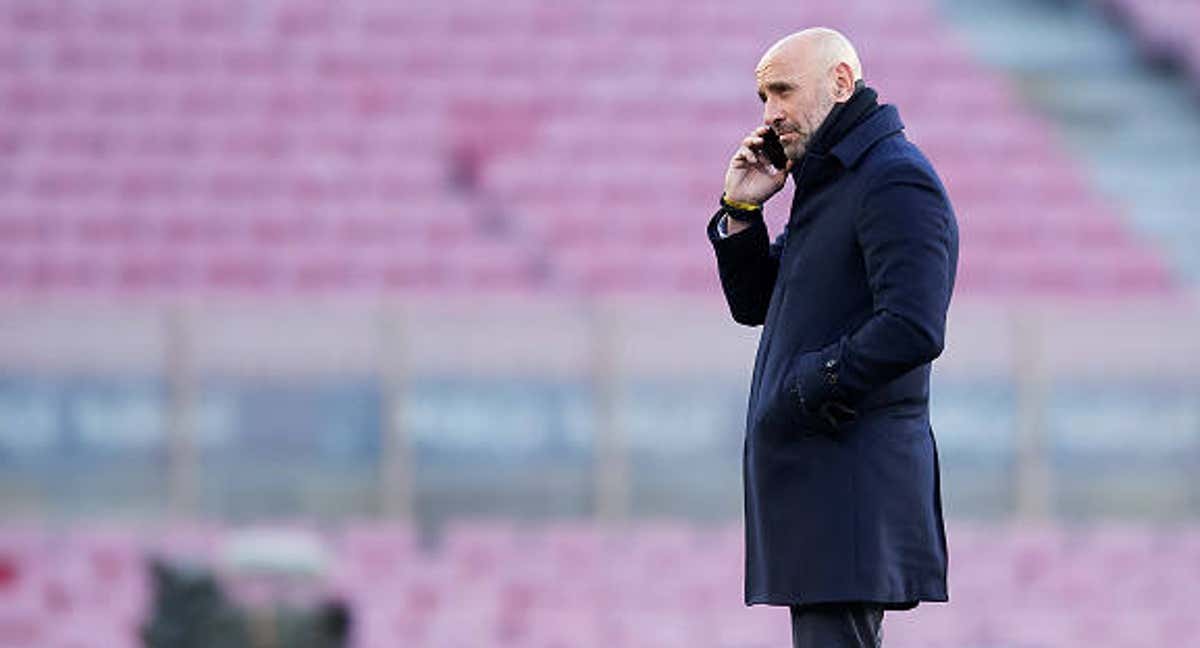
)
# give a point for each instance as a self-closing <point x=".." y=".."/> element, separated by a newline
<point x="795" y="101"/>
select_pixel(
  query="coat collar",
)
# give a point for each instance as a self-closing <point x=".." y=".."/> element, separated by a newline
<point x="885" y="122"/>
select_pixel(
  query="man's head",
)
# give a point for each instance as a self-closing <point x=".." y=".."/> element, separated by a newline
<point x="800" y="78"/>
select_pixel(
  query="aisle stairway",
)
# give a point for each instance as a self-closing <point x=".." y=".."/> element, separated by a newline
<point x="1134" y="127"/>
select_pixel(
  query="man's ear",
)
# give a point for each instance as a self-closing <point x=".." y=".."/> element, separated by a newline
<point x="843" y="82"/>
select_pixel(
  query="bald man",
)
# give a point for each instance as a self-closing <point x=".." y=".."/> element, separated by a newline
<point x="842" y="494"/>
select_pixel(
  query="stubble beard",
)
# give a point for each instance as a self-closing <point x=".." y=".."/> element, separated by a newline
<point x="814" y="122"/>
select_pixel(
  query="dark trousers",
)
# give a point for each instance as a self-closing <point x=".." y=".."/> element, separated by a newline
<point x="837" y="625"/>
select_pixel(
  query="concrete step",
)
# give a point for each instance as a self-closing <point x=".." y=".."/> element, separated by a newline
<point x="1134" y="128"/>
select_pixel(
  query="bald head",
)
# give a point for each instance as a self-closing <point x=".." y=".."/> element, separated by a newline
<point x="800" y="78"/>
<point x="818" y="49"/>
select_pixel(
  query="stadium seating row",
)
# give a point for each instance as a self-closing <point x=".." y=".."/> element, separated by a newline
<point x="1166" y="28"/>
<point x="649" y="584"/>
<point x="287" y="148"/>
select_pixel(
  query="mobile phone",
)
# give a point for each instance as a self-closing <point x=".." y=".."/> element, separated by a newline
<point x="773" y="149"/>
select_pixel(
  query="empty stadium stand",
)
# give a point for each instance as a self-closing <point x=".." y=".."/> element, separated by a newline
<point x="578" y="585"/>
<point x="1166" y="29"/>
<point x="271" y="152"/>
<point x="204" y="148"/>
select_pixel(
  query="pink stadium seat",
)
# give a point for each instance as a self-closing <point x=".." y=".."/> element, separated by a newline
<point x="377" y="551"/>
<point x="1166" y="27"/>
<point x="23" y="625"/>
<point x="184" y="154"/>
<point x="239" y="272"/>
<point x="645" y="584"/>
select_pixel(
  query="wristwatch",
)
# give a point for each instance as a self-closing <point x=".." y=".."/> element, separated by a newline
<point x="740" y="211"/>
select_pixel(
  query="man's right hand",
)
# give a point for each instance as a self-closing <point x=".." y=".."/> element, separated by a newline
<point x="750" y="177"/>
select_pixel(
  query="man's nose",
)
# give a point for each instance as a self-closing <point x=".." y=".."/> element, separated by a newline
<point x="772" y="115"/>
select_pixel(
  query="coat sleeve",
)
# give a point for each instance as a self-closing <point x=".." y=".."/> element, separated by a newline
<point x="909" y="244"/>
<point x="747" y="264"/>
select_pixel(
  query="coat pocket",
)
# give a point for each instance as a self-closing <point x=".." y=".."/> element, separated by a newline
<point x="781" y="418"/>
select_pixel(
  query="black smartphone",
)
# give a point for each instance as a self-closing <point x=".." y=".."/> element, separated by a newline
<point x="773" y="149"/>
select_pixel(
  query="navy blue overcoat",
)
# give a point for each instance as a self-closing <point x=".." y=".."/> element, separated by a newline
<point x="852" y="297"/>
